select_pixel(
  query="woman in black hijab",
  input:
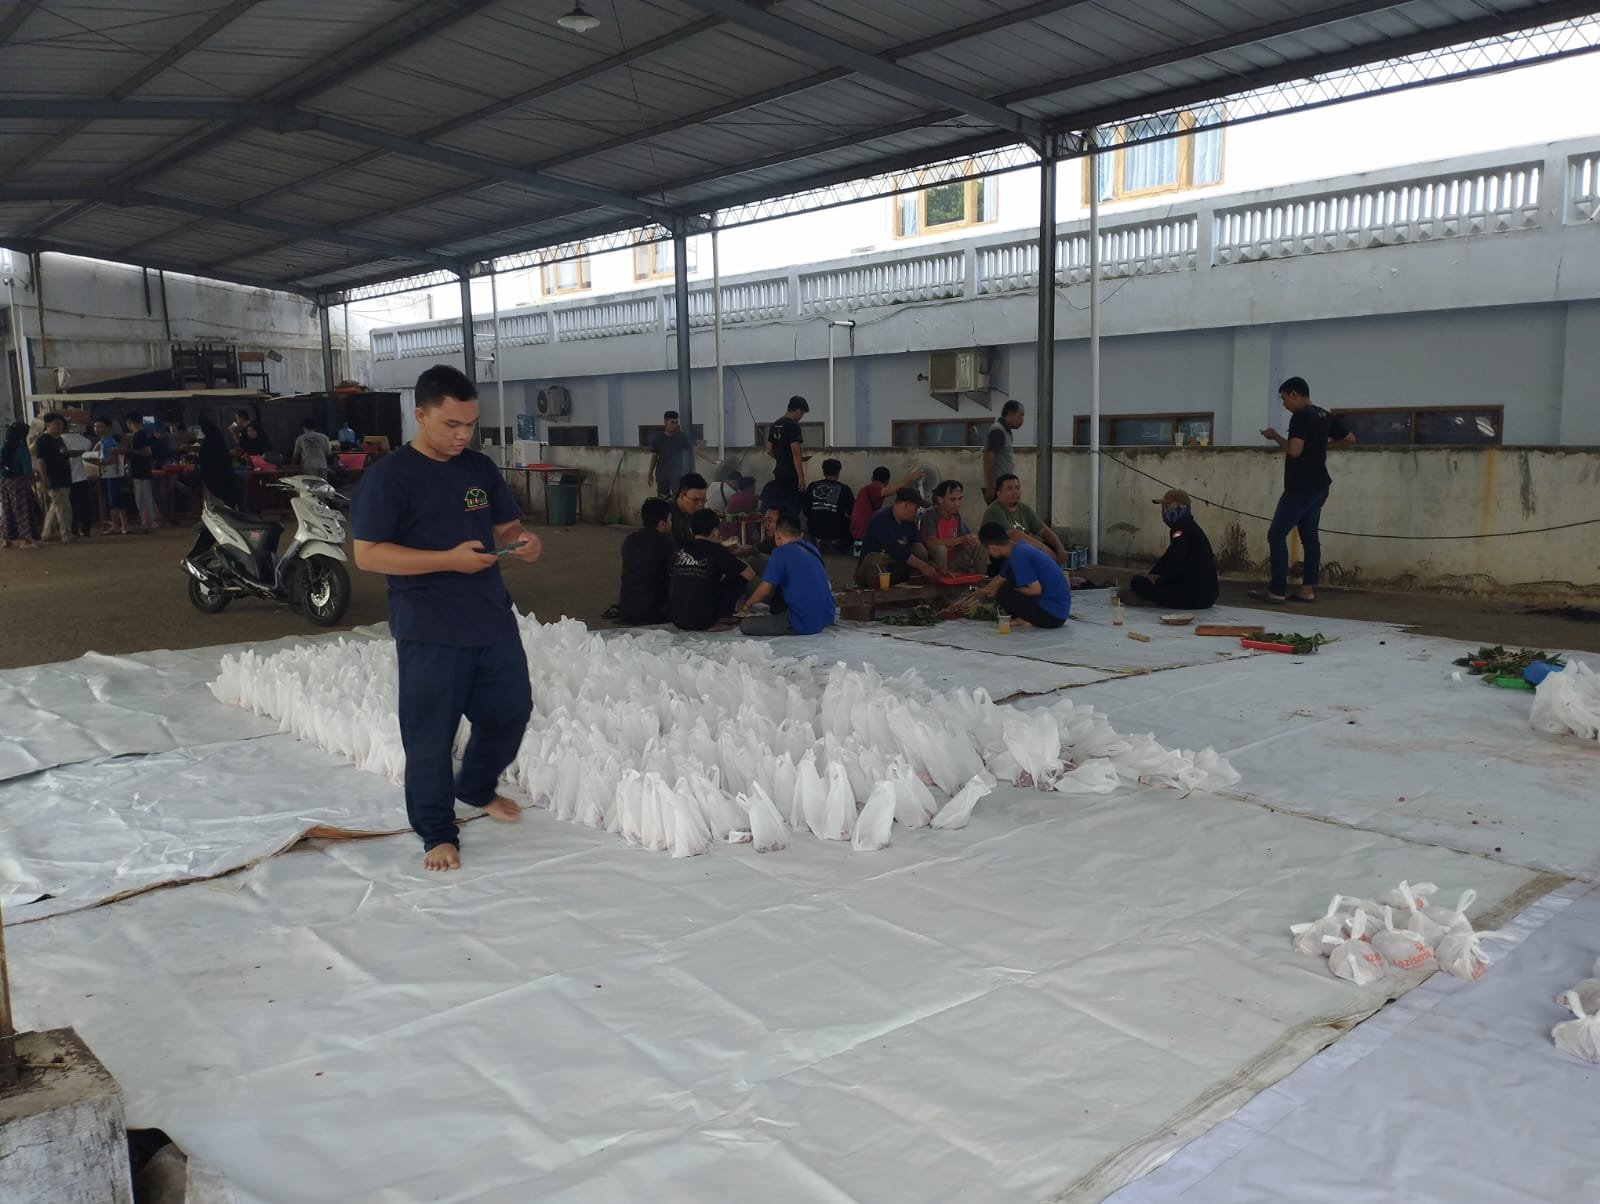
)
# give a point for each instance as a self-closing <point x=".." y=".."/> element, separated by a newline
<point x="216" y="465"/>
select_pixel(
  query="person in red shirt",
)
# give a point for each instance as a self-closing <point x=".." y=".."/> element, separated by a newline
<point x="951" y="545"/>
<point x="870" y="500"/>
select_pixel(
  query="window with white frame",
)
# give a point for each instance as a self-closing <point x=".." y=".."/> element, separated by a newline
<point x="1186" y="153"/>
<point x="565" y="275"/>
<point x="656" y="260"/>
<point x="929" y="207"/>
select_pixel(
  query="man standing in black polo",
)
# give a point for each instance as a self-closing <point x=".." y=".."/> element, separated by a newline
<point x="1312" y="430"/>
<point x="788" y="467"/>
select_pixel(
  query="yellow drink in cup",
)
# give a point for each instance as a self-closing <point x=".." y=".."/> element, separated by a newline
<point x="883" y="580"/>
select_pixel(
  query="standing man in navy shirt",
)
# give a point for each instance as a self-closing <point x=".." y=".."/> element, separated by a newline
<point x="429" y="517"/>
<point x="1312" y="431"/>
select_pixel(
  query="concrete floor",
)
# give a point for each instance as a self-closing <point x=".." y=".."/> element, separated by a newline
<point x="119" y="594"/>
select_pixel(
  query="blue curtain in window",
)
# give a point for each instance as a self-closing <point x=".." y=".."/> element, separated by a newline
<point x="1208" y="145"/>
<point x="908" y="217"/>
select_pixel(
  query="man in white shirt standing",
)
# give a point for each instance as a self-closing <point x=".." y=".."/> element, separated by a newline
<point x="82" y="489"/>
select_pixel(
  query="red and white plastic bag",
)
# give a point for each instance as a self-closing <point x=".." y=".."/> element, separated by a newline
<point x="1401" y="949"/>
<point x="1353" y="959"/>
<point x="1461" y="954"/>
<point x="1407" y="897"/>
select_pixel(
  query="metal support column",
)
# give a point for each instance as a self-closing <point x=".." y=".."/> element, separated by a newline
<point x="469" y="345"/>
<point x="1045" y="386"/>
<point x="327" y="349"/>
<point x="1094" y="350"/>
<point x="680" y="291"/>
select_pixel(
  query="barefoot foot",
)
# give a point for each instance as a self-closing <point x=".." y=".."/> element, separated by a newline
<point x="504" y="810"/>
<point x="442" y="857"/>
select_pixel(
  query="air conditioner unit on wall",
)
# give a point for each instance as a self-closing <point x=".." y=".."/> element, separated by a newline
<point x="555" y="401"/>
<point x="956" y="374"/>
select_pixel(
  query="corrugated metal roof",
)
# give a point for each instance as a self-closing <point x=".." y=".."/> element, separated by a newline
<point x="314" y="144"/>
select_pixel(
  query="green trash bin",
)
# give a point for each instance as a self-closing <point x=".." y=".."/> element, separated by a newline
<point x="561" y="502"/>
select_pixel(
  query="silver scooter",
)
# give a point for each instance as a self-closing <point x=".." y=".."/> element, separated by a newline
<point x="235" y="555"/>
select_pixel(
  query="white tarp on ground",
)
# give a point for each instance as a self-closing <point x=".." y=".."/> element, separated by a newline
<point x="1380" y="736"/>
<point x="1044" y="1002"/>
<point x="1454" y="1095"/>
<point x="993" y="1014"/>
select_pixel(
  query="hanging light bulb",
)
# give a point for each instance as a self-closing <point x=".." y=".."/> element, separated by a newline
<point x="578" y="21"/>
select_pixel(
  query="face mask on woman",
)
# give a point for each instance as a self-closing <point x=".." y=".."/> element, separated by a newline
<point x="1173" y="515"/>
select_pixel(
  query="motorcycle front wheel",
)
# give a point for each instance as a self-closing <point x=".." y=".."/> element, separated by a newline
<point x="322" y="590"/>
<point x="207" y="597"/>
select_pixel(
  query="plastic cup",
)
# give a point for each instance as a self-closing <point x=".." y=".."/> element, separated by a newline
<point x="883" y="580"/>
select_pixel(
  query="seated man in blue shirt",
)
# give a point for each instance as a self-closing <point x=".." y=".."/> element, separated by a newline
<point x="1031" y="586"/>
<point x="430" y="517"/>
<point x="796" y="586"/>
<point x="892" y="543"/>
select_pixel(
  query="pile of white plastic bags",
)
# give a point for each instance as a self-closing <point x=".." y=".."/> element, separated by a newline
<point x="1366" y="939"/>
<point x="675" y="746"/>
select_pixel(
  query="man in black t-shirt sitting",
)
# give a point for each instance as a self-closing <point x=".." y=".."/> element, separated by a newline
<point x="827" y="506"/>
<point x="1312" y="430"/>
<point x="689" y="501"/>
<point x="647" y="557"/>
<point x="707" y="580"/>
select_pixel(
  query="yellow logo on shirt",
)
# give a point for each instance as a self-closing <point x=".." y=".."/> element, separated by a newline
<point x="477" y="499"/>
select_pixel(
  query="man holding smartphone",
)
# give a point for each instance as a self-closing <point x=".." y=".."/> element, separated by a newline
<point x="430" y="517"/>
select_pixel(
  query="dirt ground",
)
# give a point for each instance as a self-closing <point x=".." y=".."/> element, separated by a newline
<point x="118" y="594"/>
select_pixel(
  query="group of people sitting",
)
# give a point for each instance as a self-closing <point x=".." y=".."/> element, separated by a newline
<point x="677" y="569"/>
<point x="685" y="568"/>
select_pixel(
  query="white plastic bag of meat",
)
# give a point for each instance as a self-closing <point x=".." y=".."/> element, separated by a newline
<point x="839" y="820"/>
<point x="1579" y="1036"/>
<point x="1407" y="897"/>
<point x="958" y="810"/>
<point x="1097" y="776"/>
<point x="766" y="825"/>
<point x="1035" y="741"/>
<point x="1353" y="959"/>
<point x="875" y="820"/>
<point x="1308" y="937"/>
<point x="1461" y="954"/>
<point x="914" y="806"/>
<point x="1568" y="703"/>
<point x="1587" y="991"/>
<point x="1454" y="921"/>
<point x="1401" y="949"/>
<point x="810" y="808"/>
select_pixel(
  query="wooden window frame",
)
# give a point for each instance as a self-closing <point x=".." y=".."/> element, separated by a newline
<point x="647" y="265"/>
<point x="589" y="435"/>
<point x="1499" y="412"/>
<point x="918" y="183"/>
<point x="553" y="288"/>
<point x="980" y="425"/>
<point x="647" y="431"/>
<point x="808" y="430"/>
<point x="1188" y="123"/>
<point x="1080" y="426"/>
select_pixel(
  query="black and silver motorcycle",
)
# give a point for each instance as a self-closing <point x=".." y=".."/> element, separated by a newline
<point x="235" y="555"/>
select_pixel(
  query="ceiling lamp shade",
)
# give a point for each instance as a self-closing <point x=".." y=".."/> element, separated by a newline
<point x="578" y="21"/>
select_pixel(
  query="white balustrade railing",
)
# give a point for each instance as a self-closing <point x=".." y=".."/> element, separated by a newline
<point x="426" y="341"/>
<point x="1583" y="187"/>
<point x="1478" y="197"/>
<point x="890" y="282"/>
<point x="1144" y="249"/>
<point x="608" y="318"/>
<point x="750" y="301"/>
<point x="1449" y="206"/>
